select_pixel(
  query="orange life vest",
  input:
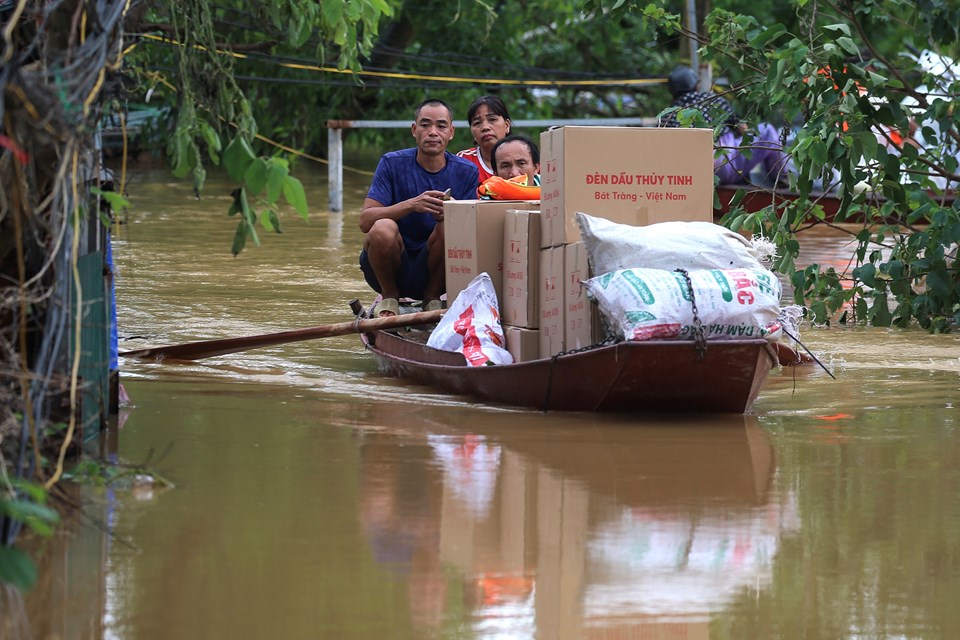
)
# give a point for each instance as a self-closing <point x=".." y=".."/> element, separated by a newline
<point x="516" y="188"/>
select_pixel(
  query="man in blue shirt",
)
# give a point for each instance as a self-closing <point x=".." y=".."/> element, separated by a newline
<point x="402" y="216"/>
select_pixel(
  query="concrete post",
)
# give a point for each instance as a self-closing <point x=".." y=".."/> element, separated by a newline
<point x="335" y="168"/>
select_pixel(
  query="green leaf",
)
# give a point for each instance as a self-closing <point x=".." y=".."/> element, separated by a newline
<point x="939" y="283"/>
<point x="294" y="194"/>
<point x="818" y="152"/>
<point x="895" y="269"/>
<point x="37" y="516"/>
<point x="30" y="490"/>
<point x="842" y="28"/>
<point x="249" y="217"/>
<point x="182" y="153"/>
<point x="212" y="139"/>
<point x="17" y="568"/>
<point x="237" y="157"/>
<point x="862" y="310"/>
<point x="302" y="35"/>
<point x="880" y="315"/>
<point x="870" y="145"/>
<point x="255" y="177"/>
<point x="235" y="205"/>
<point x="116" y="201"/>
<point x="239" y="238"/>
<point x="767" y="35"/>
<point x="274" y="220"/>
<point x="265" y="221"/>
<point x="867" y="274"/>
<point x="382" y="7"/>
<point x="332" y="13"/>
<point x="848" y="45"/>
<point x="277" y="172"/>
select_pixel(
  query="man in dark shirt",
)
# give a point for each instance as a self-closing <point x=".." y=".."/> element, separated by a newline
<point x="402" y="216"/>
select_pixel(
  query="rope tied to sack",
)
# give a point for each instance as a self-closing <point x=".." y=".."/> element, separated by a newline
<point x="699" y="338"/>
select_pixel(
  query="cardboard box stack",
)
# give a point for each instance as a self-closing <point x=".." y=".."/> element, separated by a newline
<point x="520" y="305"/>
<point x="473" y="239"/>
<point x="628" y="175"/>
<point x="551" y="301"/>
<point x="522" y="343"/>
<point x="634" y="176"/>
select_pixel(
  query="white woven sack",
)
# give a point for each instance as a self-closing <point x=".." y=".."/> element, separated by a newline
<point x="646" y="304"/>
<point x="664" y="245"/>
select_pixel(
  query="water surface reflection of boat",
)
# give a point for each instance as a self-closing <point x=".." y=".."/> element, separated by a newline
<point x="560" y="529"/>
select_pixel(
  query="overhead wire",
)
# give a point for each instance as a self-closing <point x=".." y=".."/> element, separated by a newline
<point x="525" y="82"/>
<point x="256" y="25"/>
<point x="274" y="143"/>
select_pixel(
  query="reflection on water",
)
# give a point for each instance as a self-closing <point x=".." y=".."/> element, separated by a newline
<point x="603" y="529"/>
<point x="315" y="498"/>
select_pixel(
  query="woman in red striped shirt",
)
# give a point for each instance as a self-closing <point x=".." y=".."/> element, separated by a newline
<point x="489" y="123"/>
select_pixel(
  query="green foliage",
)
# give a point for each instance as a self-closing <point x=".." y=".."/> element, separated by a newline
<point x="209" y="100"/>
<point x="25" y="503"/>
<point x="17" y="568"/>
<point x="269" y="177"/>
<point x="101" y="474"/>
<point x="551" y="39"/>
<point x="845" y="82"/>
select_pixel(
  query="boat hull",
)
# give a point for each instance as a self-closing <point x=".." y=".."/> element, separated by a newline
<point x="655" y="376"/>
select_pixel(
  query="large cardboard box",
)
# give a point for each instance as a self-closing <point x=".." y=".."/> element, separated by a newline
<point x="522" y="343"/>
<point x="521" y="268"/>
<point x="551" y="301"/>
<point x="473" y="242"/>
<point x="578" y="310"/>
<point x="629" y="175"/>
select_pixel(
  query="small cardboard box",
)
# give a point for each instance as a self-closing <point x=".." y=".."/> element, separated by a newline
<point x="522" y="343"/>
<point x="629" y="175"/>
<point x="473" y="242"/>
<point x="578" y="310"/>
<point x="551" y="301"/>
<point x="521" y="268"/>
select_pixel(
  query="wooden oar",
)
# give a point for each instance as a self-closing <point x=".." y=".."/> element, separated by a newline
<point x="210" y="348"/>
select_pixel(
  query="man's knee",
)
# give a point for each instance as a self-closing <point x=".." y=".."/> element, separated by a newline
<point x="383" y="235"/>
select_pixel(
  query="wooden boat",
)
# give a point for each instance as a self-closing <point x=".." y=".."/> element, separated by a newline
<point x="654" y="376"/>
<point x="756" y="199"/>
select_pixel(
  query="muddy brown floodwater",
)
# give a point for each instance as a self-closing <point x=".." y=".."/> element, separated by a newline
<point x="314" y="498"/>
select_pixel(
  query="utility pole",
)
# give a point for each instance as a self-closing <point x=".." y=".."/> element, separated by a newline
<point x="692" y="26"/>
<point x="704" y="71"/>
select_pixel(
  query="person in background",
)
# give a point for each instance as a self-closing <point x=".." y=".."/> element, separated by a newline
<point x="514" y="156"/>
<point x="489" y="122"/>
<point x="683" y="82"/>
<point x="768" y="162"/>
<point x="402" y="216"/>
